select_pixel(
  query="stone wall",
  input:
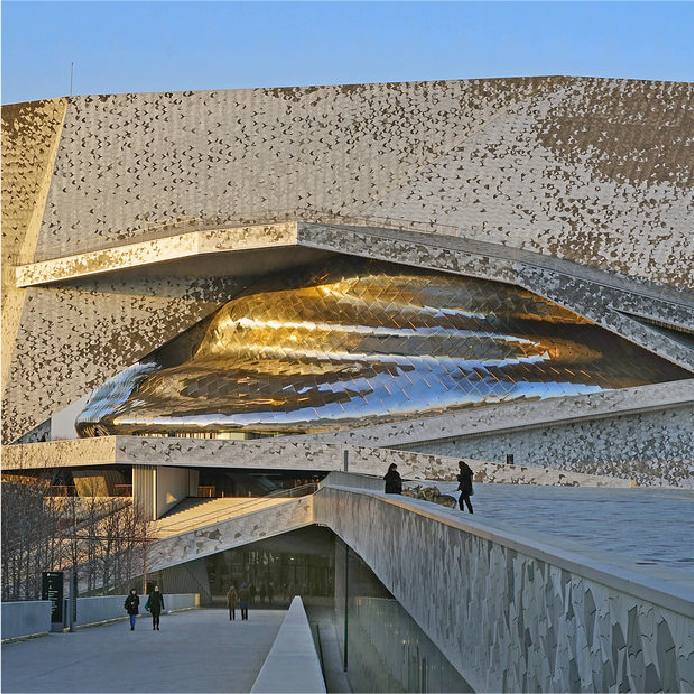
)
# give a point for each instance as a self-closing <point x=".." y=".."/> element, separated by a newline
<point x="511" y="615"/>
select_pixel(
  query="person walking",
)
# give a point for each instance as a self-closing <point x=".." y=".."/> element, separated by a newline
<point x="270" y="593"/>
<point x="244" y="596"/>
<point x="262" y="593"/>
<point x="232" y="601"/>
<point x="465" y="486"/>
<point x="155" y="604"/>
<point x="132" y="607"/>
<point x="393" y="481"/>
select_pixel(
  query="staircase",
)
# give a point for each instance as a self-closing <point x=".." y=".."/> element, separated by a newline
<point x="192" y="514"/>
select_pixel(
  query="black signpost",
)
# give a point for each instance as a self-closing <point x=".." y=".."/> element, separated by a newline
<point x="53" y="591"/>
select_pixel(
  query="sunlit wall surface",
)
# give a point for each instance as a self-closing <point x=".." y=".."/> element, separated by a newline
<point x="364" y="340"/>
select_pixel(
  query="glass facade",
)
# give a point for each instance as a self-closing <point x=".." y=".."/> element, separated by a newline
<point x="387" y="650"/>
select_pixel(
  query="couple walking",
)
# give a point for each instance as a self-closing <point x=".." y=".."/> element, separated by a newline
<point x="239" y="598"/>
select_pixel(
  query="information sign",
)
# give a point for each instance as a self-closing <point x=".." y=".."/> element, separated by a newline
<point x="53" y="591"/>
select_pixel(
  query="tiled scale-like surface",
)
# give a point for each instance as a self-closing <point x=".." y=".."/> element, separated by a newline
<point x="362" y="340"/>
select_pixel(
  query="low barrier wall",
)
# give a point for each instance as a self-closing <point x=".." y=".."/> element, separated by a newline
<point x="354" y="480"/>
<point x="98" y="609"/>
<point x="104" y="607"/>
<point x="512" y="614"/>
<point x="25" y="618"/>
<point x="292" y="664"/>
<point x="28" y="617"/>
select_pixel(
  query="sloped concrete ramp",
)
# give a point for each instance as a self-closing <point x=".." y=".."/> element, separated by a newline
<point x="207" y="530"/>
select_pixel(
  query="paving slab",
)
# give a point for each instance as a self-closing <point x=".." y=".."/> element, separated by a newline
<point x="651" y="527"/>
<point x="194" y="651"/>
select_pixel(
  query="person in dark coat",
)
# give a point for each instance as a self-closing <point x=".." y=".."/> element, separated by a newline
<point x="393" y="481"/>
<point x="155" y="604"/>
<point x="232" y="601"/>
<point x="465" y="486"/>
<point x="244" y="596"/>
<point x="132" y="607"/>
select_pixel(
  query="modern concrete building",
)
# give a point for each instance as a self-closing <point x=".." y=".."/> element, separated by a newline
<point x="234" y="291"/>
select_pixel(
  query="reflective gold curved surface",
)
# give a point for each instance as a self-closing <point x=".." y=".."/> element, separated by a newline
<point x="365" y="341"/>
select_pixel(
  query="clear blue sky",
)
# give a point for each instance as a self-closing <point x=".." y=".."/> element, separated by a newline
<point x="161" y="46"/>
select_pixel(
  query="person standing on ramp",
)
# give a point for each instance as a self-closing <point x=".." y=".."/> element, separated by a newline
<point x="465" y="486"/>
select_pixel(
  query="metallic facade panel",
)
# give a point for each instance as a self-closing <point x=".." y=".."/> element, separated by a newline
<point x="358" y="341"/>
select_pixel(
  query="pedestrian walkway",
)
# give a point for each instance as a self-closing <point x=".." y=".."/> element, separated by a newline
<point x="653" y="527"/>
<point x="194" y="651"/>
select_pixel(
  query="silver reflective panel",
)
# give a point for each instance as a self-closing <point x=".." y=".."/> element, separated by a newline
<point x="366" y="341"/>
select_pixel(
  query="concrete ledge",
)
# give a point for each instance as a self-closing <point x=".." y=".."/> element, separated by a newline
<point x="177" y="247"/>
<point x="292" y="664"/>
<point x="276" y="454"/>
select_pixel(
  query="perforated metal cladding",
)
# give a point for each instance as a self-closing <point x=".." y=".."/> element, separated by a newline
<point x="367" y="340"/>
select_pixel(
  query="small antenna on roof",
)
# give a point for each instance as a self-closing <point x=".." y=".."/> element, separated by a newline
<point x="72" y="66"/>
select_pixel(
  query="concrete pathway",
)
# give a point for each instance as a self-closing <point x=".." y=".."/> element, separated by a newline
<point x="653" y="527"/>
<point x="194" y="651"/>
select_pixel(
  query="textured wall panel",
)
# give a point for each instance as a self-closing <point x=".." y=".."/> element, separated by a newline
<point x="597" y="171"/>
<point x="30" y="138"/>
<point x="516" y="617"/>
<point x="221" y="535"/>
<point x="229" y="155"/>
<point x="591" y="169"/>
<point x="72" y="338"/>
<point x="653" y="448"/>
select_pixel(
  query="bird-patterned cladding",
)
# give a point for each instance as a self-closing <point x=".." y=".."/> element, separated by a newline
<point x="365" y="341"/>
